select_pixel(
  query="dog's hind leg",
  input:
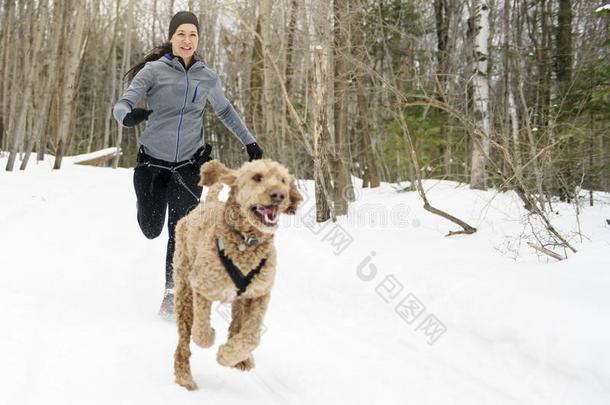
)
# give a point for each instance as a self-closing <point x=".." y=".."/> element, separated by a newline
<point x="184" y="321"/>
<point x="203" y="333"/>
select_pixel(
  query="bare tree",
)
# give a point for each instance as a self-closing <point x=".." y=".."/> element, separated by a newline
<point x="26" y="98"/>
<point x="321" y="137"/>
<point x="341" y="159"/>
<point x="124" y="67"/>
<point x="71" y="66"/>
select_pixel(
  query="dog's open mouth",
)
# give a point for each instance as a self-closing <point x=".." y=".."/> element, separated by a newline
<point x="266" y="213"/>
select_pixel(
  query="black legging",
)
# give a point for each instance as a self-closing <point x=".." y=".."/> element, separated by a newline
<point x="158" y="189"/>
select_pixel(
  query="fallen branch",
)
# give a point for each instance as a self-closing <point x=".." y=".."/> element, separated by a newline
<point x="546" y="251"/>
<point x="466" y="229"/>
<point x="94" y="158"/>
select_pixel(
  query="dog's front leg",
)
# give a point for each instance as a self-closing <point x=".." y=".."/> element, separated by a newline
<point x="203" y="334"/>
<point x="243" y="341"/>
<point x="184" y="320"/>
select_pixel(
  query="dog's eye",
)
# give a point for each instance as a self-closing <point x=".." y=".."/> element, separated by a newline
<point x="283" y="180"/>
<point x="257" y="178"/>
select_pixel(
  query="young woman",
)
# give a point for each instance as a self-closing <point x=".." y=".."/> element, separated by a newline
<point x="177" y="85"/>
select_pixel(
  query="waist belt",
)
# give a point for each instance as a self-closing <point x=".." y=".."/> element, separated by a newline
<point x="201" y="156"/>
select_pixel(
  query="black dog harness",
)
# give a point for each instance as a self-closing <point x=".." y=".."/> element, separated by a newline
<point x="241" y="282"/>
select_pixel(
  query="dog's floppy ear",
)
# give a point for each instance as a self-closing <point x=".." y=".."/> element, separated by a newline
<point x="295" y="198"/>
<point x="213" y="172"/>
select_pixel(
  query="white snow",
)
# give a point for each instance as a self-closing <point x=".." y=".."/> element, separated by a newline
<point x="81" y="288"/>
<point x="602" y="8"/>
<point x="89" y="156"/>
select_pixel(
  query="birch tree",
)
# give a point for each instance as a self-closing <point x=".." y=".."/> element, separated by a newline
<point x="481" y="144"/>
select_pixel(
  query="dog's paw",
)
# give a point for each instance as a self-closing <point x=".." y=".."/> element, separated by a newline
<point x="224" y="356"/>
<point x="187" y="382"/>
<point x="228" y="356"/>
<point x="245" y="365"/>
<point x="203" y="337"/>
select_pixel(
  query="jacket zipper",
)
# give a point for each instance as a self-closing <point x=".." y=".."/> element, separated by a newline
<point x="195" y="93"/>
<point x="186" y="91"/>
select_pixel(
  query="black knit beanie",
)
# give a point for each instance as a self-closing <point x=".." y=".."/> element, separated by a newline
<point x="182" y="17"/>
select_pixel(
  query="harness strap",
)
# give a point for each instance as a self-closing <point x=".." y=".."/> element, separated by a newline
<point x="241" y="282"/>
<point x="205" y="151"/>
<point x="171" y="168"/>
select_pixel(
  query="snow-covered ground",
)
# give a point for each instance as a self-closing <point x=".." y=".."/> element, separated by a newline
<point x="379" y="308"/>
<point x="605" y="7"/>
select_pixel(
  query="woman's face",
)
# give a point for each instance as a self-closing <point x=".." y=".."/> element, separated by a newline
<point x="184" y="41"/>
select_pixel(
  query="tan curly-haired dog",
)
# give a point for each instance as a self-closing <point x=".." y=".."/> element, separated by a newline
<point x="240" y="230"/>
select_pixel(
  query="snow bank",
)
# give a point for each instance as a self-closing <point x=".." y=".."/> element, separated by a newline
<point x="379" y="307"/>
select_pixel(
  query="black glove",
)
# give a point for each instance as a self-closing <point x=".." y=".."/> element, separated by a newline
<point x="136" y="116"/>
<point x="203" y="155"/>
<point x="254" y="151"/>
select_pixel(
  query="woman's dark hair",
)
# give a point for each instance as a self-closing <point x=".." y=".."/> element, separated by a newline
<point x="154" y="54"/>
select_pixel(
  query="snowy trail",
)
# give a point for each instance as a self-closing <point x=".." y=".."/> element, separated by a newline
<point x="81" y="287"/>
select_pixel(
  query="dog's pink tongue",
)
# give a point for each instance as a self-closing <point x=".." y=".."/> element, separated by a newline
<point x="265" y="210"/>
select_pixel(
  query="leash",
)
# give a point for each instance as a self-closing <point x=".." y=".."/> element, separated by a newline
<point x="174" y="171"/>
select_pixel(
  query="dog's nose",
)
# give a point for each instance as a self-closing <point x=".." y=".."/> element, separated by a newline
<point x="277" y="196"/>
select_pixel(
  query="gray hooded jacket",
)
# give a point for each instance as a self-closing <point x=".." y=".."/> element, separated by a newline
<point x="177" y="96"/>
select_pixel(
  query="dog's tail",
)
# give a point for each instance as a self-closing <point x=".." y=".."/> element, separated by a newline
<point x="213" y="192"/>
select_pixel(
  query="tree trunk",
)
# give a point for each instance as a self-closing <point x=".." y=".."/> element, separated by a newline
<point x="5" y="68"/>
<point x="34" y="71"/>
<point x="153" y="31"/>
<point x="564" y="44"/>
<point x="511" y="122"/>
<point x="370" y="177"/>
<point x="341" y="159"/>
<point x="288" y="73"/>
<point x="41" y="127"/>
<point x="320" y="136"/>
<point x="371" y="173"/>
<point x="97" y="71"/>
<point x="72" y="65"/>
<point x="256" y="83"/>
<point x="208" y="17"/>
<point x="171" y="8"/>
<point x="270" y="136"/>
<point x="111" y="76"/>
<point x="124" y="66"/>
<point x="12" y="61"/>
<point x="48" y="83"/>
<point x="30" y="69"/>
<point x="443" y="16"/>
<point x="481" y="144"/>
